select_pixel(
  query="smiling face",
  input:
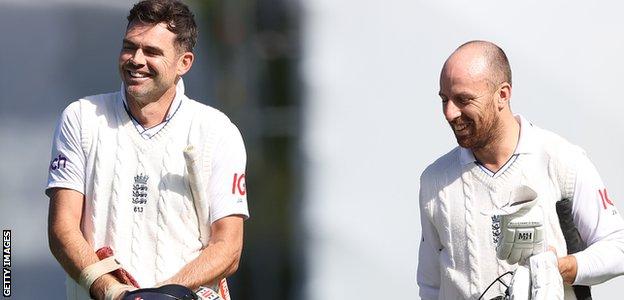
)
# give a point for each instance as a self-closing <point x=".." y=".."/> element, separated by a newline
<point x="150" y="62"/>
<point x="469" y="100"/>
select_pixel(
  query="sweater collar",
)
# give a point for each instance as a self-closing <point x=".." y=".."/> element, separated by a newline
<point x="177" y="100"/>
<point x="148" y="133"/>
<point x="526" y="142"/>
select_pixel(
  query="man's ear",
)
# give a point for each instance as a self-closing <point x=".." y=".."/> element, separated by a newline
<point x="503" y="95"/>
<point x="185" y="62"/>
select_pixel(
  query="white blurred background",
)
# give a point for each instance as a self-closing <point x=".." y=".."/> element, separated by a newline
<point x="373" y="120"/>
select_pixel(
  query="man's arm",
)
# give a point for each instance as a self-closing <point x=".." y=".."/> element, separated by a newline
<point x="600" y="226"/>
<point x="66" y="241"/>
<point x="218" y="260"/>
<point x="227" y="192"/>
<point x="428" y="271"/>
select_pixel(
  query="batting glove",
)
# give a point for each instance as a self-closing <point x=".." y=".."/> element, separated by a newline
<point x="546" y="282"/>
<point x="522" y="235"/>
<point x="522" y="224"/>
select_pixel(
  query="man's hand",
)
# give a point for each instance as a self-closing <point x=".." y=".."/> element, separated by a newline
<point x="218" y="260"/>
<point x="67" y="243"/>
<point x="101" y="285"/>
<point x="108" y="288"/>
<point x="567" y="268"/>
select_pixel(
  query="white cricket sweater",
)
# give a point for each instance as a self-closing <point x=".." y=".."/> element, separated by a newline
<point x="138" y="198"/>
<point x="457" y="257"/>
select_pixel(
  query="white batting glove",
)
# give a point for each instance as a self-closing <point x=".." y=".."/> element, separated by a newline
<point x="520" y="285"/>
<point x="522" y="227"/>
<point x="539" y="281"/>
<point x="522" y="235"/>
<point x="546" y="282"/>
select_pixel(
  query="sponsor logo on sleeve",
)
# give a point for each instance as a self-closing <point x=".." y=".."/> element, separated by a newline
<point x="239" y="186"/>
<point x="59" y="162"/>
<point x="606" y="202"/>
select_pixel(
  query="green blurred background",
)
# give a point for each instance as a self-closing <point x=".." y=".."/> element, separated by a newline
<point x="254" y="49"/>
<point x="56" y="51"/>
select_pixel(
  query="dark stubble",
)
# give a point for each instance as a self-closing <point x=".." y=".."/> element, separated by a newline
<point x="484" y="132"/>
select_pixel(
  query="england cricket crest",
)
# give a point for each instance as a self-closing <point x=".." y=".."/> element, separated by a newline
<point x="496" y="228"/>
<point x="139" y="192"/>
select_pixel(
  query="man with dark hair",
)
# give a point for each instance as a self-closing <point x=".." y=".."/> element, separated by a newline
<point x="178" y="19"/>
<point x="119" y="179"/>
<point x="504" y="180"/>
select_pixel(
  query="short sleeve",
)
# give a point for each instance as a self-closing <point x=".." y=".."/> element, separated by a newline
<point x="227" y="187"/>
<point x="67" y="162"/>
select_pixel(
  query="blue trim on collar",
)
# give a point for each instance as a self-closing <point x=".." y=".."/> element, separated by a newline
<point x="147" y="133"/>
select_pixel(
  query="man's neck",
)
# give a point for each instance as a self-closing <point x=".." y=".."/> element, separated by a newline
<point x="494" y="155"/>
<point x="151" y="113"/>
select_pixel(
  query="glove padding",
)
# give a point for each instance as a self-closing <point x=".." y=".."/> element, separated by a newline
<point x="204" y="293"/>
<point x="522" y="228"/>
<point x="540" y="281"/>
<point x="520" y="285"/>
<point x="546" y="282"/>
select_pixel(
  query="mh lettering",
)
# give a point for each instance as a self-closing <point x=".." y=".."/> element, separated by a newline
<point x="525" y="236"/>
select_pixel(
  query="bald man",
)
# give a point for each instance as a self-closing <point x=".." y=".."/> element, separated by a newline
<point x="499" y="152"/>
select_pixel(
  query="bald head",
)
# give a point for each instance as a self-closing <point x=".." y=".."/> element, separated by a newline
<point x="475" y="88"/>
<point x="480" y="60"/>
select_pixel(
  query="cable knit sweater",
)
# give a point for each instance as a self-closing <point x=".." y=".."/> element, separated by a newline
<point x="140" y="202"/>
<point x="457" y="258"/>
